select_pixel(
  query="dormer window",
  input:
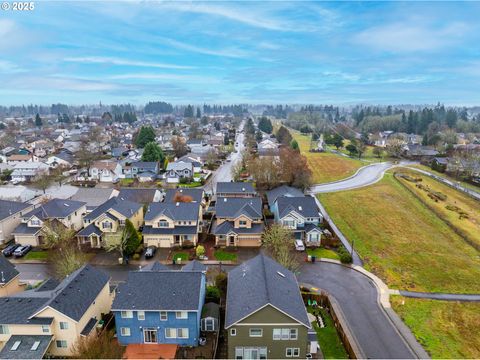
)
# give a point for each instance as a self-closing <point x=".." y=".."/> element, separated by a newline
<point x="35" y="222"/>
<point x="242" y="223"/>
<point x="163" y="223"/>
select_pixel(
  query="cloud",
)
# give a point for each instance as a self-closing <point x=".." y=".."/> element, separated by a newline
<point x="175" y="77"/>
<point x="53" y="83"/>
<point x="123" y="62"/>
<point x="7" y="67"/>
<point x="407" y="37"/>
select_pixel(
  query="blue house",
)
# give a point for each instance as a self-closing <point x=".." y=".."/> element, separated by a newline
<point x="160" y="306"/>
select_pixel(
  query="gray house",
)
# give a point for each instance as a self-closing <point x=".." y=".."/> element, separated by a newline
<point x="10" y="217"/>
<point x="177" y="170"/>
<point x="235" y="189"/>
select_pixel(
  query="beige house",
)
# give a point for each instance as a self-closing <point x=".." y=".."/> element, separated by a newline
<point x="9" y="278"/>
<point x="66" y="212"/>
<point x="172" y="224"/>
<point x="11" y="213"/>
<point x="104" y="224"/>
<point x="49" y="320"/>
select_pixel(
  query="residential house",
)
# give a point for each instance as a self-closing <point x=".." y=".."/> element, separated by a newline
<point x="265" y="314"/>
<point x="105" y="171"/>
<point x="185" y="195"/>
<point x="238" y="222"/>
<point x="283" y="190"/>
<point x="10" y="217"/>
<point x="140" y="195"/>
<point x="196" y="162"/>
<point x="177" y="170"/>
<point x="381" y="138"/>
<point x="235" y="189"/>
<point x="301" y="215"/>
<point x="9" y="278"/>
<point x="268" y="148"/>
<point x="16" y="193"/>
<point x="19" y="158"/>
<point x="28" y="171"/>
<point x="172" y="224"/>
<point x="94" y="197"/>
<point x="63" y="159"/>
<point x="47" y="321"/>
<point x="196" y="145"/>
<point x="142" y="170"/>
<point x="160" y="307"/>
<point x="420" y="152"/>
<point x="104" y="224"/>
<point x="66" y="212"/>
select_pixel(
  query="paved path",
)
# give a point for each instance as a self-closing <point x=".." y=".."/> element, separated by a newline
<point x="441" y="296"/>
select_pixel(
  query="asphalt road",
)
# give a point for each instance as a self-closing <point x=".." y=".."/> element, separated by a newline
<point x="357" y="297"/>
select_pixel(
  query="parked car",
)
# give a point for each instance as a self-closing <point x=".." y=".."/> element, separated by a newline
<point x="299" y="246"/>
<point x="8" y="251"/>
<point x="22" y="250"/>
<point x="150" y="252"/>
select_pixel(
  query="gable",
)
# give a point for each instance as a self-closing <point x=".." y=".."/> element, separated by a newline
<point x="293" y="214"/>
<point x="268" y="315"/>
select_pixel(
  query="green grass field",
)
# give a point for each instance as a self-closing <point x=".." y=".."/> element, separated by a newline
<point x="222" y="255"/>
<point x="323" y="253"/>
<point x="328" y="338"/>
<point x="36" y="255"/>
<point x="445" y="329"/>
<point x="402" y="241"/>
<point x="183" y="256"/>
<point x="451" y="178"/>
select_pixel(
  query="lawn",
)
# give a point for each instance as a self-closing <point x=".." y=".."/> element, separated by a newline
<point x="449" y="210"/>
<point x="183" y="256"/>
<point x="326" y="166"/>
<point x="402" y="241"/>
<point x="193" y="184"/>
<point x="446" y="329"/>
<point x="328" y="338"/>
<point x="36" y="255"/>
<point x="126" y="182"/>
<point x="323" y="253"/>
<point x="446" y="176"/>
<point x="222" y="255"/>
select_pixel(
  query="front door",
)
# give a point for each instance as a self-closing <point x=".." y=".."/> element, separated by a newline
<point x="177" y="239"/>
<point x="231" y="240"/>
<point x="150" y="336"/>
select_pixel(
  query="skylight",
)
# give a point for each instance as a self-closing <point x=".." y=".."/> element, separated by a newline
<point x="35" y="345"/>
<point x="15" y="346"/>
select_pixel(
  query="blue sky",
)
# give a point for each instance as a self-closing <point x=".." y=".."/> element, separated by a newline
<point x="238" y="52"/>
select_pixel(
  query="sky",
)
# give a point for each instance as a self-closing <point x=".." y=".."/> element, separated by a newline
<point x="77" y="52"/>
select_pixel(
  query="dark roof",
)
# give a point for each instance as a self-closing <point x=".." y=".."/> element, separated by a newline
<point x="152" y="165"/>
<point x="7" y="270"/>
<point x="93" y="196"/>
<point x="211" y="310"/>
<point x="235" y="188"/>
<point x="194" y="266"/>
<point x="441" y="160"/>
<point x="420" y="150"/>
<point x="227" y="226"/>
<point x="18" y="309"/>
<point x="310" y="227"/>
<point x="24" y="229"/>
<point x="261" y="281"/>
<point x="55" y="208"/>
<point x="231" y="207"/>
<point x="175" y="211"/>
<point x="48" y="285"/>
<point x="125" y="207"/>
<point x="159" y="290"/>
<point x="89" y="230"/>
<point x="177" y="230"/>
<point x="89" y="327"/>
<point x="24" y="350"/>
<point x="155" y="266"/>
<point x="8" y="208"/>
<point x="283" y="190"/>
<point x="305" y="206"/>
<point x="195" y="194"/>
<point x="142" y="196"/>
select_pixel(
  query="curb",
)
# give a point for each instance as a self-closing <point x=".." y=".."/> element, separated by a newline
<point x="28" y="262"/>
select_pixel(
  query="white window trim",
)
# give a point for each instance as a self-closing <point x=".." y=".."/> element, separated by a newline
<point x="125" y="331"/>
<point x="170" y="337"/>
<point x="65" y="325"/>
<point x="166" y="316"/>
<point x="250" y="332"/>
<point x="127" y="314"/>
<point x="142" y="317"/>
<point x="292" y="350"/>
<point x="233" y="332"/>
<point x="61" y="342"/>
<point x="183" y="330"/>
<point x="181" y="317"/>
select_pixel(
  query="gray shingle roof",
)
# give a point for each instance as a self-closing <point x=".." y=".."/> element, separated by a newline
<point x="175" y="211"/>
<point x="227" y="226"/>
<point x="159" y="290"/>
<point x="195" y="194"/>
<point x="304" y="206"/>
<point x="177" y="230"/>
<point x="55" y="208"/>
<point x="283" y="190"/>
<point x="26" y="230"/>
<point x="155" y="266"/>
<point x="93" y="196"/>
<point x="8" y="208"/>
<point x="261" y="281"/>
<point x="24" y="350"/>
<point x="235" y="188"/>
<point x="194" y="266"/>
<point x="124" y="207"/>
<point x="7" y="270"/>
<point x="89" y="230"/>
<point x="141" y="196"/>
<point x="89" y="327"/>
<point x="17" y="309"/>
<point x="229" y="207"/>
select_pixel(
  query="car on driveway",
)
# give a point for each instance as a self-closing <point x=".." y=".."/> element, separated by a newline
<point x="150" y="252"/>
<point x="8" y="251"/>
<point x="22" y="251"/>
<point x="299" y="246"/>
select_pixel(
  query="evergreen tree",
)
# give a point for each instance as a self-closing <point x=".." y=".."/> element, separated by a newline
<point x="188" y="112"/>
<point x="294" y="145"/>
<point x="145" y="136"/>
<point x="38" y="121"/>
<point x="199" y="114"/>
<point x="153" y="152"/>
<point x="265" y="125"/>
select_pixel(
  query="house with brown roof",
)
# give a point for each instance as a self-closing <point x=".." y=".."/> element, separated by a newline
<point x="105" y="171"/>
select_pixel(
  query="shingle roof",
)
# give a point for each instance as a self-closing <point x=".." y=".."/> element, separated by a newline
<point x="283" y="190"/>
<point x="93" y="196"/>
<point x="175" y="211"/>
<point x="155" y="266"/>
<point x="89" y="327"/>
<point x="7" y="270"/>
<point x="261" y="281"/>
<point x="235" y="188"/>
<point x="89" y="230"/>
<point x="195" y="194"/>
<point x="194" y="266"/>
<point x="142" y="196"/>
<point x="26" y="230"/>
<point x="177" y="230"/>
<point x="124" y="207"/>
<point x="159" y="290"/>
<point x="304" y="206"/>
<point x="229" y="207"/>
<point x="8" y="208"/>
<point x="24" y="350"/>
<point x="227" y="226"/>
<point x="18" y="309"/>
<point x="55" y="208"/>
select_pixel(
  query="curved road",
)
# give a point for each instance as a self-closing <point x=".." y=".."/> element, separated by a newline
<point x="357" y="296"/>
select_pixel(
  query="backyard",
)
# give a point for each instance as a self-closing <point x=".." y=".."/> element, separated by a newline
<point x="402" y="241"/>
<point x="321" y="252"/>
<point x="328" y="338"/>
<point x="446" y="329"/>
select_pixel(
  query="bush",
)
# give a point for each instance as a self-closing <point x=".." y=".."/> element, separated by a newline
<point x="136" y="256"/>
<point x="200" y="251"/>
<point x="345" y="256"/>
<point x="221" y="282"/>
<point x="213" y="294"/>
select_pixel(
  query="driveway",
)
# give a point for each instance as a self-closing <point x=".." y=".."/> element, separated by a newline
<point x="357" y="297"/>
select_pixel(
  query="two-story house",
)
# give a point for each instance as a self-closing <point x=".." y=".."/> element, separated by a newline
<point x="185" y="195"/>
<point x="9" y="278"/>
<point x="142" y="170"/>
<point x="105" y="171"/>
<point x="235" y="189"/>
<point x="265" y="314"/>
<point x="104" y="224"/>
<point x="238" y="221"/>
<point x="301" y="215"/>
<point x="177" y="170"/>
<point x="28" y="171"/>
<point x="48" y="320"/>
<point x="11" y="213"/>
<point x="157" y="306"/>
<point x="66" y="212"/>
<point x="172" y="224"/>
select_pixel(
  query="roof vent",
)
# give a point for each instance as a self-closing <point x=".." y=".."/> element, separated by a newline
<point x="243" y="189"/>
<point x="66" y="204"/>
<point x="281" y="274"/>
<point x="177" y="204"/>
<point x="300" y="208"/>
<point x="224" y="199"/>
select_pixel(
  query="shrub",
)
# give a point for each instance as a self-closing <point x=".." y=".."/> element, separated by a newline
<point x="345" y="256"/>
<point x="136" y="256"/>
<point x="213" y="294"/>
<point x="221" y="282"/>
<point x="200" y="251"/>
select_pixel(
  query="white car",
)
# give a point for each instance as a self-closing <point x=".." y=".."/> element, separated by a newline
<point x="299" y="246"/>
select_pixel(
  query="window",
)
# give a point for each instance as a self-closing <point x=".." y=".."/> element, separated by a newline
<point x="314" y="237"/>
<point x="233" y="332"/>
<point x="127" y="314"/>
<point x="4" y="329"/>
<point x="61" y="344"/>
<point x="256" y="332"/>
<point x="238" y="353"/>
<point x="163" y="316"/>
<point x="35" y="222"/>
<point x="125" y="331"/>
<point x="292" y="352"/>
<point x="277" y="334"/>
<point x="63" y="325"/>
<point x="285" y="334"/>
<point x="181" y="315"/>
<point x="106" y="225"/>
<point x="45" y="329"/>
<point x="163" y="223"/>
<point x="293" y="334"/>
<point x="242" y="223"/>
<point x="289" y="223"/>
<point x="141" y="315"/>
<point x="170" y="333"/>
<point x="182" y="333"/>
